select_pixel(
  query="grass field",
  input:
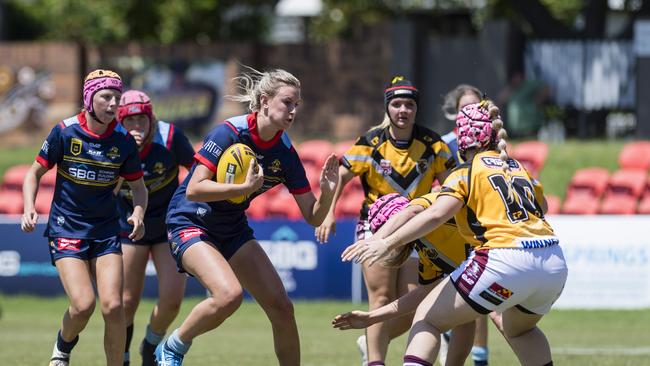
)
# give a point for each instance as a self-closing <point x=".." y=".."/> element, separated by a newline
<point x="28" y="327"/>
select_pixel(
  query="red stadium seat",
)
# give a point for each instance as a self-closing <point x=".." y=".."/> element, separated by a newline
<point x="630" y="182"/>
<point x="554" y="204"/>
<point x="257" y="208"/>
<point x="635" y="155"/>
<point x="11" y="202"/>
<point x="315" y="152"/>
<point x="532" y="154"/>
<point x="283" y="205"/>
<point x="349" y="203"/>
<point x="14" y="177"/>
<point x="619" y="205"/>
<point x="580" y="204"/>
<point x="341" y="147"/>
<point x="48" y="180"/>
<point x="44" y="200"/>
<point x="591" y="181"/>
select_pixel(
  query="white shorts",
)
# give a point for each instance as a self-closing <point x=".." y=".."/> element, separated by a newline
<point x="498" y="279"/>
<point x="363" y="232"/>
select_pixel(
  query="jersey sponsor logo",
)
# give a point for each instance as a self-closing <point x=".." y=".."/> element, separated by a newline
<point x="496" y="294"/>
<point x="68" y="244"/>
<point x="75" y="146"/>
<point x="421" y="166"/>
<point x="95" y="145"/>
<point x="427" y="138"/>
<point x="375" y="140"/>
<point x="385" y="168"/>
<point x="60" y="220"/>
<point x="496" y="163"/>
<point x="113" y="153"/>
<point x="158" y="168"/>
<point x="81" y="173"/>
<point x="537" y="243"/>
<point x="94" y="152"/>
<point x="45" y="147"/>
<point x="189" y="233"/>
<point x="201" y="211"/>
<point x="275" y="166"/>
<point x="212" y="148"/>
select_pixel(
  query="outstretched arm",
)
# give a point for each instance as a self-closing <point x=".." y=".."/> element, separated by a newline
<point x="404" y="305"/>
<point x="312" y="209"/>
<point x="373" y="249"/>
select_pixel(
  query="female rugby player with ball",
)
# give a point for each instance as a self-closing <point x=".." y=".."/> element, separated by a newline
<point x="207" y="224"/>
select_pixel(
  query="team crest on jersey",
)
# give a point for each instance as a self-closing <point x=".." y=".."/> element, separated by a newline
<point x="275" y="166"/>
<point x="427" y="138"/>
<point x="158" y="168"/>
<point x="421" y="166"/>
<point x="75" y="146"/>
<point x="496" y="163"/>
<point x="113" y="153"/>
<point x="385" y="168"/>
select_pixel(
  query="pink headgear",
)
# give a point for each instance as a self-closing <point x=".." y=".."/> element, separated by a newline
<point x="385" y="207"/>
<point x="474" y="127"/>
<point x="96" y="81"/>
<point x="134" y="102"/>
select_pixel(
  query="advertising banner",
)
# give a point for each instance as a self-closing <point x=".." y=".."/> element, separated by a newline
<point x="308" y="270"/>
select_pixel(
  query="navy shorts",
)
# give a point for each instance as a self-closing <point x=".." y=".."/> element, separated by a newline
<point x="84" y="249"/>
<point x="182" y="238"/>
<point x="146" y="240"/>
<point x="155" y="232"/>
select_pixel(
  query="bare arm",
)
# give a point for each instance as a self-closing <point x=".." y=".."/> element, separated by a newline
<point x="314" y="211"/>
<point x="203" y="188"/>
<point x="402" y="306"/>
<point x="374" y="248"/>
<point x="329" y="224"/>
<point x="397" y="220"/>
<point x="30" y="189"/>
<point x="140" y="200"/>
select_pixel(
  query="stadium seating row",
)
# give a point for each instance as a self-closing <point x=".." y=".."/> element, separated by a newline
<point x="591" y="190"/>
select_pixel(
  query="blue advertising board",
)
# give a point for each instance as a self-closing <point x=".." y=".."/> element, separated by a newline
<point x="309" y="270"/>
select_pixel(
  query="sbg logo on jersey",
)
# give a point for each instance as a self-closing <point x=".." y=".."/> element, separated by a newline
<point x="81" y="173"/>
<point x="75" y="146"/>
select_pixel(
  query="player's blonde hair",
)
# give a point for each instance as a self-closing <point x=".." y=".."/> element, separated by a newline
<point x="397" y="257"/>
<point x="450" y="105"/>
<point x="499" y="143"/>
<point x="256" y="83"/>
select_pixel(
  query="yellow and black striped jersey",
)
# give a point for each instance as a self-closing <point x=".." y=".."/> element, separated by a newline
<point x="488" y="218"/>
<point x="441" y="250"/>
<point x="408" y="168"/>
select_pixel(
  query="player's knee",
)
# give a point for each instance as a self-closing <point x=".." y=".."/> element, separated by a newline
<point x="227" y="300"/>
<point x="82" y="308"/>
<point x="380" y="300"/>
<point x="170" y="305"/>
<point x="130" y="303"/>
<point x="282" y="308"/>
<point x="112" y="308"/>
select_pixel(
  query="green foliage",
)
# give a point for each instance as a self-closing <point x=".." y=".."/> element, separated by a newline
<point x="164" y="21"/>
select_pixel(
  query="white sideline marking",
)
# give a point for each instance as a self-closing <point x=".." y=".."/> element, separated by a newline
<point x="628" y="351"/>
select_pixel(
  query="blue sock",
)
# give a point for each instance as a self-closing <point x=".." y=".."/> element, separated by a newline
<point x="175" y="344"/>
<point x="63" y="346"/>
<point x="151" y="337"/>
<point x="479" y="353"/>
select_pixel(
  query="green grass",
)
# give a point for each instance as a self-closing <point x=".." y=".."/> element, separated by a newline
<point x="28" y="327"/>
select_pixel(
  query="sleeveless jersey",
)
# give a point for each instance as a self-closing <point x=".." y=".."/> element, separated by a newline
<point x="161" y="159"/>
<point x="88" y="168"/>
<point x="489" y="219"/>
<point x="279" y="161"/>
<point x="389" y="166"/>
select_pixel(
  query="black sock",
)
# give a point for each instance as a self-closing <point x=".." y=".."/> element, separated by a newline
<point x="63" y="346"/>
<point x="129" y="336"/>
<point x="549" y="364"/>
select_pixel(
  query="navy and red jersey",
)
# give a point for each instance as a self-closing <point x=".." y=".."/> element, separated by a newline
<point x="161" y="159"/>
<point x="88" y="168"/>
<point x="279" y="161"/>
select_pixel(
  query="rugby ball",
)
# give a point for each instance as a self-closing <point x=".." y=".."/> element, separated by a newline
<point x="233" y="166"/>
